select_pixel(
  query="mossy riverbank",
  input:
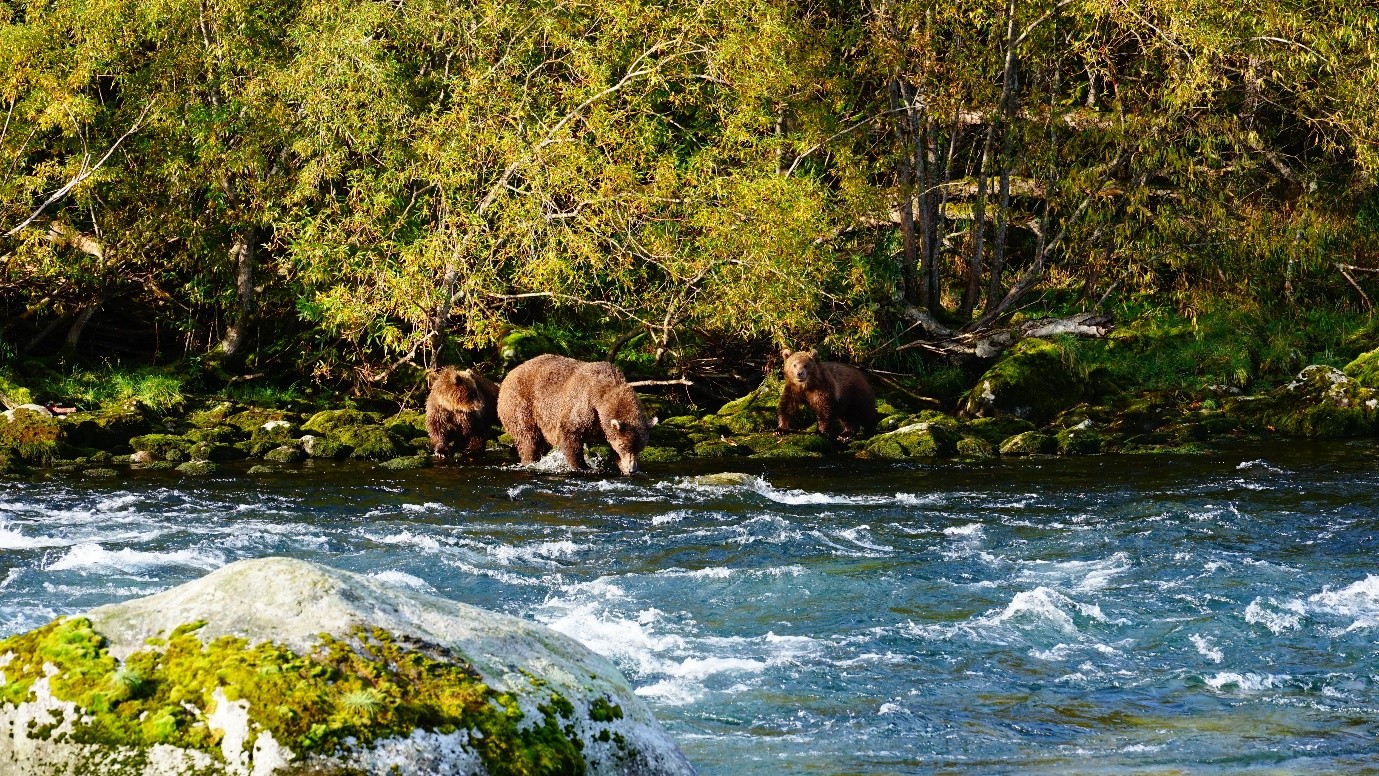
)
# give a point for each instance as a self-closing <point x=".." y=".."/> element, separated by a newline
<point x="1040" y="398"/>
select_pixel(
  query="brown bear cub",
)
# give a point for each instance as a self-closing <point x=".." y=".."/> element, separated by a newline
<point x="831" y="389"/>
<point x="460" y="410"/>
<point x="553" y="401"/>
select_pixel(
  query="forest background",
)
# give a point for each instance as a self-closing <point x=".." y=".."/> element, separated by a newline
<point x="334" y="195"/>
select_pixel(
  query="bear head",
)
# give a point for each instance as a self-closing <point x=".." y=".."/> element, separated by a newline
<point x="456" y="387"/>
<point x="625" y="428"/>
<point x="802" y="367"/>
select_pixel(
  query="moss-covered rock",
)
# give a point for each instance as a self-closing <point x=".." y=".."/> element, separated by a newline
<point x="1029" y="443"/>
<point x="1365" y="369"/>
<point x="1081" y="439"/>
<point x="998" y="429"/>
<point x="661" y="455"/>
<point x="277" y="664"/>
<point x="405" y="462"/>
<point x="1036" y="379"/>
<point x="975" y="447"/>
<point x="99" y="473"/>
<point x="110" y="428"/>
<point x="287" y="454"/>
<point x="663" y="435"/>
<point x="931" y="439"/>
<point x="324" y="447"/>
<point x="717" y="448"/>
<point x="1321" y="401"/>
<point x="212" y="416"/>
<point x="209" y="451"/>
<point x="406" y="425"/>
<point x="31" y="436"/>
<point x="254" y="418"/>
<point x="329" y="422"/>
<point x="164" y="446"/>
<point x="370" y="443"/>
<point x="755" y="412"/>
<point x="223" y="434"/>
<point x="261" y="469"/>
<point x="198" y="468"/>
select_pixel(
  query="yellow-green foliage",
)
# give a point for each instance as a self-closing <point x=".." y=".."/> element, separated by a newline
<point x="368" y="688"/>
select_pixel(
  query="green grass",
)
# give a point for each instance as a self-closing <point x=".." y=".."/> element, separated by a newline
<point x="160" y="389"/>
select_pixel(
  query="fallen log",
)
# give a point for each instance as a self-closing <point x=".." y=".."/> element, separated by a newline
<point x="989" y="343"/>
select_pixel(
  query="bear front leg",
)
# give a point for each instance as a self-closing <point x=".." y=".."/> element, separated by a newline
<point x="572" y="445"/>
<point x="438" y="430"/>
<point x="785" y="412"/>
<point x="823" y="410"/>
<point x="529" y="444"/>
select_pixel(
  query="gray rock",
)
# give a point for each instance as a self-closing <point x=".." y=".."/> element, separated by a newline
<point x="291" y="603"/>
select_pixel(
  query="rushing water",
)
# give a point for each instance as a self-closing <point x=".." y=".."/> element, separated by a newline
<point x="1102" y="615"/>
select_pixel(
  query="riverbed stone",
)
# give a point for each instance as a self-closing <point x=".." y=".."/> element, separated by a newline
<point x="323" y="447"/>
<point x="371" y="443"/>
<point x="1321" y="401"/>
<point x="212" y="416"/>
<point x="373" y="678"/>
<point x="198" y="468"/>
<point x="161" y="446"/>
<point x="1364" y="369"/>
<point x="660" y="455"/>
<point x="1081" y="439"/>
<point x="329" y="422"/>
<point x="998" y="429"/>
<point x="109" y="428"/>
<point x="208" y="451"/>
<point x="975" y="447"/>
<point x="254" y="418"/>
<point x="929" y="439"/>
<point x="34" y="437"/>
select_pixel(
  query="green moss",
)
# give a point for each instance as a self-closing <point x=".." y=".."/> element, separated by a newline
<point x="345" y="693"/>
<point x="198" y="468"/>
<point x="214" y="416"/>
<point x="223" y="434"/>
<point x="31" y="436"/>
<point x="715" y="448"/>
<point x="1365" y="369"/>
<point x="998" y="429"/>
<point x="110" y="428"/>
<point x="206" y="451"/>
<point x="324" y="447"/>
<point x="918" y="440"/>
<point x="252" y="420"/>
<point x="601" y="710"/>
<point x="975" y="447"/>
<point x="1079" y="441"/>
<point x="661" y="455"/>
<point x="406" y="425"/>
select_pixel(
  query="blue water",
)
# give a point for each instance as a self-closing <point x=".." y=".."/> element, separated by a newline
<point x="1211" y="614"/>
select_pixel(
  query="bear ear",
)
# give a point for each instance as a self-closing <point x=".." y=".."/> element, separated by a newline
<point x="653" y="423"/>
<point x="813" y="352"/>
<point x="617" y="424"/>
<point x="786" y="352"/>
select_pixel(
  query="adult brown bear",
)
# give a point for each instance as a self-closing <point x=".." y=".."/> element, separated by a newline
<point x="461" y="408"/>
<point x="830" y="389"/>
<point x="553" y="401"/>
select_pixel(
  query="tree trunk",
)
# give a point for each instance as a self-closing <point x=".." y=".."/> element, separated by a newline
<point x="233" y="346"/>
<point x="78" y="326"/>
<point x="974" y="265"/>
<point x="909" y="246"/>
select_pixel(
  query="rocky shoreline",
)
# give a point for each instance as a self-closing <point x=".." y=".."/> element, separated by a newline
<point x="1035" y="400"/>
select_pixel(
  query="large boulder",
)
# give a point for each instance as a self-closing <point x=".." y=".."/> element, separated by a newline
<point x="283" y="666"/>
<point x="1035" y="380"/>
<point x="1321" y="402"/>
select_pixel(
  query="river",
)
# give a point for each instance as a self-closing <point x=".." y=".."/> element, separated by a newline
<point x="1208" y="614"/>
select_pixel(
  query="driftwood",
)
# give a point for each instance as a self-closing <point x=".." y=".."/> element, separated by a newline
<point x="988" y="343"/>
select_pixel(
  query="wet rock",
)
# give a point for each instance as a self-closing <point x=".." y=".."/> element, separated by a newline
<point x="251" y="420"/>
<point x="198" y="468"/>
<point x="261" y="469"/>
<point x="1365" y="369"/>
<point x="407" y="462"/>
<point x="998" y="429"/>
<point x="194" y="680"/>
<point x="406" y="425"/>
<point x="213" y="416"/>
<point x="99" y="473"/>
<point x="1029" y="443"/>
<point x="141" y="457"/>
<point x="1036" y="379"/>
<point x="286" y="454"/>
<point x="755" y="412"/>
<point x="717" y="448"/>
<point x="223" y="434"/>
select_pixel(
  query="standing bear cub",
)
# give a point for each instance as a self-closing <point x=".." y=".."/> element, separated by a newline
<point x="830" y="389"/>
<point x="553" y="401"/>
<point x="460" y="410"/>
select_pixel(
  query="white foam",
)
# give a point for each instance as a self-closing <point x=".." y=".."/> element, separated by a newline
<point x="541" y="553"/>
<point x="1359" y="600"/>
<point x="1244" y="683"/>
<point x="406" y="538"/>
<point x="1086" y="575"/>
<point x="91" y="557"/>
<point x="402" y="579"/>
<point x="969" y="531"/>
<point x="1045" y="606"/>
<point x="735" y="482"/>
<point x="1206" y="649"/>
<point x="11" y="539"/>
<point x="1277" y="617"/>
<point x="1259" y="463"/>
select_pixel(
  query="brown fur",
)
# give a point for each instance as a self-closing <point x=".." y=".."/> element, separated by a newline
<point x="831" y="389"/>
<point x="460" y="410"/>
<point x="553" y="401"/>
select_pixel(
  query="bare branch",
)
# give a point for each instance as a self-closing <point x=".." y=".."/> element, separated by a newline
<point x="86" y="171"/>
